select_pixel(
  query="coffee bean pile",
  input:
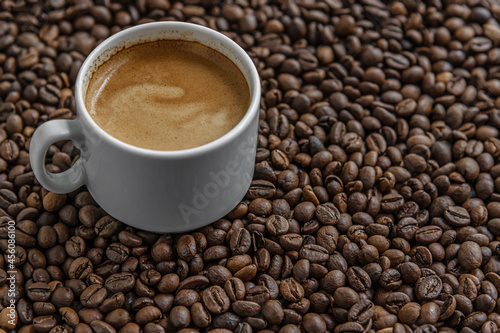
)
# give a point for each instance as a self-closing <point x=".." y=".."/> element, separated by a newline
<point x="375" y="205"/>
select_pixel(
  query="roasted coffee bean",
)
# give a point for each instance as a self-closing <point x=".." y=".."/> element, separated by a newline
<point x="114" y="302"/>
<point x="196" y="282"/>
<point x="75" y="246"/>
<point x="391" y="203"/>
<point x="38" y="292"/>
<point x="327" y="237"/>
<point x="270" y="284"/>
<point x="240" y="241"/>
<point x="428" y="288"/>
<point x="272" y="312"/>
<point x="469" y="255"/>
<point x="457" y="216"/>
<point x="186" y="247"/>
<point x="62" y="296"/>
<point x="107" y="226"/>
<point x="277" y="225"/>
<point x="428" y="234"/>
<point x="246" y="308"/>
<point x="358" y="279"/>
<point x="147" y="314"/>
<point x="200" y="316"/>
<point x="80" y="268"/>
<point x="93" y="295"/>
<point x="314" y="253"/>
<point x="235" y="289"/>
<point x="261" y="189"/>
<point x="101" y="326"/>
<point x="313" y="322"/>
<point x="69" y="316"/>
<point x="180" y="317"/>
<point x="291" y="290"/>
<point x="293" y="241"/>
<point x="120" y="282"/>
<point x="44" y="323"/>
<point x="117" y="252"/>
<point x="169" y="283"/>
<point x="345" y="297"/>
<point x="259" y="294"/>
<point x="150" y="277"/>
<point x="390" y="279"/>
<point x="215" y="299"/>
<point x="395" y="301"/>
<point x="406" y="228"/>
<point x="327" y="213"/>
<point x="361" y="312"/>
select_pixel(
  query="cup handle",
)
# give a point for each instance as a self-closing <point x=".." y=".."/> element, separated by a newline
<point x="44" y="136"/>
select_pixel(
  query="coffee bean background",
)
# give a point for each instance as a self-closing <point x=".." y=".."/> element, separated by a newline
<point x="375" y="205"/>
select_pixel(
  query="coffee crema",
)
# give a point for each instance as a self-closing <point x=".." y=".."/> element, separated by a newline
<point x="167" y="95"/>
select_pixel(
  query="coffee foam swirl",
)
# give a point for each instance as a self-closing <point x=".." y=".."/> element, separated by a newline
<point x="168" y="97"/>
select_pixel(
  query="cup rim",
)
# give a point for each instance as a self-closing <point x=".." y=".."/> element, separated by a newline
<point x="252" y="79"/>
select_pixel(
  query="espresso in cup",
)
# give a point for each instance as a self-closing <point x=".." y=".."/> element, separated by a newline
<point x="131" y="94"/>
<point x="167" y="95"/>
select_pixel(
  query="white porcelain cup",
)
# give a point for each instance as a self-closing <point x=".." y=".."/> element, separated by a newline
<point x="159" y="191"/>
